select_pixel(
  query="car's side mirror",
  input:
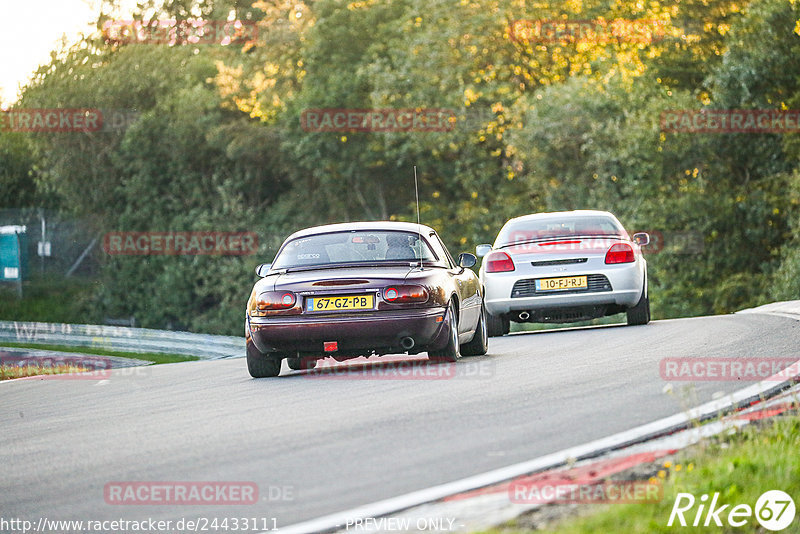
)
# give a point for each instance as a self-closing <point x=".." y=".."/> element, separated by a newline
<point x="467" y="260"/>
<point x="483" y="250"/>
<point x="263" y="269"/>
<point x="641" y="238"/>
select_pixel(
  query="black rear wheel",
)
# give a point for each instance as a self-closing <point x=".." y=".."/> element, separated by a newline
<point x="640" y="314"/>
<point x="480" y="341"/>
<point x="301" y="364"/>
<point x="497" y="325"/>
<point x="262" y="365"/>
<point x="451" y="352"/>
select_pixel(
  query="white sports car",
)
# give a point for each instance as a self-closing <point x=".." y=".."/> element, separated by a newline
<point x="564" y="267"/>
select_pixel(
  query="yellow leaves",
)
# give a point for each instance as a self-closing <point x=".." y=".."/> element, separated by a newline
<point x="470" y="96"/>
<point x="435" y="194"/>
<point x="228" y="79"/>
<point x="797" y="27"/>
<point x="352" y="6"/>
<point x="474" y="194"/>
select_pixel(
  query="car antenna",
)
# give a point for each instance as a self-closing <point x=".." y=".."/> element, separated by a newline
<point x="419" y="228"/>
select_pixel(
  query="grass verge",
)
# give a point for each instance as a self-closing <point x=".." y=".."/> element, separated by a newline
<point x="155" y="357"/>
<point x="740" y="467"/>
<point x="9" y="372"/>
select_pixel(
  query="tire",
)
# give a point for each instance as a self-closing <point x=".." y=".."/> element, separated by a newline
<point x="452" y="352"/>
<point x="480" y="341"/>
<point x="497" y="326"/>
<point x="301" y="364"/>
<point x="262" y="365"/>
<point x="640" y="314"/>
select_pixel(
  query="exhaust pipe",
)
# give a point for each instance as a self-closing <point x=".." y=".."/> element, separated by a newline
<point x="524" y="316"/>
<point x="407" y="343"/>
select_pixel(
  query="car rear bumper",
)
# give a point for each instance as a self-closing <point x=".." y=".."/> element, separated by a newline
<point x="355" y="334"/>
<point x="626" y="288"/>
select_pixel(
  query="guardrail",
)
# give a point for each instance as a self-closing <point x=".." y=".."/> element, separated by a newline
<point x="121" y="338"/>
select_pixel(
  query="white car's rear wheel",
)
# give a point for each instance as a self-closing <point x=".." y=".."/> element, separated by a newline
<point x="496" y="325"/>
<point x="640" y="314"/>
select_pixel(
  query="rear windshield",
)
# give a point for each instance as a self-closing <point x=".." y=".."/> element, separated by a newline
<point x="534" y="230"/>
<point x="353" y="247"/>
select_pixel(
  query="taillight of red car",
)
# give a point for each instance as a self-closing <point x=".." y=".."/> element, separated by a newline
<point x="498" y="262"/>
<point x="620" y="253"/>
<point x="405" y="294"/>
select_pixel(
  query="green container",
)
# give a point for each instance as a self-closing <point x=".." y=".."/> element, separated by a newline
<point x="13" y="253"/>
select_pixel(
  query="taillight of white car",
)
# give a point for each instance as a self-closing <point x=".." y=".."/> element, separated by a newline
<point x="499" y="262"/>
<point x="620" y="253"/>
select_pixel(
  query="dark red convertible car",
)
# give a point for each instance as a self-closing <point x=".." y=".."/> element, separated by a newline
<point x="363" y="289"/>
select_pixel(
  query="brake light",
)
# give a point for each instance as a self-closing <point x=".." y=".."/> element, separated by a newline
<point x="620" y="253"/>
<point x="499" y="262"/>
<point x="276" y="300"/>
<point x="405" y="294"/>
<point x="551" y="243"/>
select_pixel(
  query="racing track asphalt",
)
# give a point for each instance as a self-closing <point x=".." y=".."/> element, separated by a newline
<point x="332" y="441"/>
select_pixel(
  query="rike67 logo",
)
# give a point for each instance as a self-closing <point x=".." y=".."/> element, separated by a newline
<point x="774" y="510"/>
